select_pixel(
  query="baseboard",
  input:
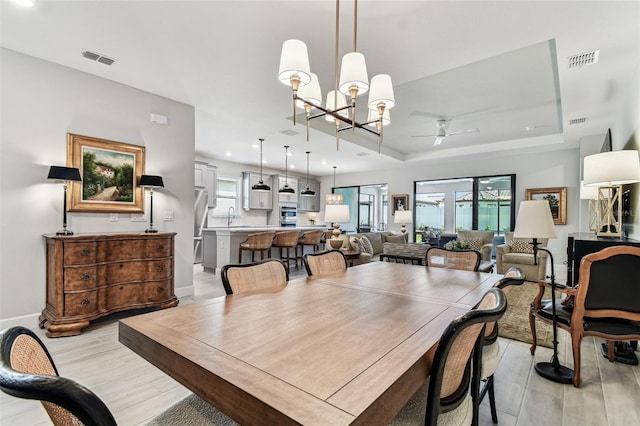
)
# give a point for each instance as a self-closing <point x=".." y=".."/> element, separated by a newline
<point x="30" y="321"/>
<point x="187" y="291"/>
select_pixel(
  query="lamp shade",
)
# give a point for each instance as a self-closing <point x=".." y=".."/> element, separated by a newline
<point x="64" y="173"/>
<point x="403" y="216"/>
<point x="373" y="115"/>
<point x="336" y="213"/>
<point x="151" y="181"/>
<point x="353" y="72"/>
<point x="534" y="220"/>
<point x="588" y="192"/>
<point x="331" y="104"/>
<point x="381" y="92"/>
<point x="310" y="93"/>
<point x="612" y="168"/>
<point x="294" y="60"/>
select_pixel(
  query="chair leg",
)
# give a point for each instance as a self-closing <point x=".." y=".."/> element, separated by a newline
<point x="492" y="400"/>
<point x="611" y="353"/>
<point x="534" y="337"/>
<point x="239" y="256"/>
<point x="576" y="340"/>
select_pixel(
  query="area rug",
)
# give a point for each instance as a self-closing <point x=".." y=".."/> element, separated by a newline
<point x="515" y="321"/>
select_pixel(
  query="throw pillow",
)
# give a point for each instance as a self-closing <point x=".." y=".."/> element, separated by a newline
<point x="474" y="244"/>
<point x="368" y="248"/>
<point x="356" y="244"/>
<point x="399" y="239"/>
<point x="521" y="245"/>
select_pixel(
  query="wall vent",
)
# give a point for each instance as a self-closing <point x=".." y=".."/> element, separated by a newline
<point x="582" y="59"/>
<point x="97" y="57"/>
<point x="577" y="120"/>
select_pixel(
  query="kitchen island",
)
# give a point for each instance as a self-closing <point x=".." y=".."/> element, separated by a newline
<point x="220" y="245"/>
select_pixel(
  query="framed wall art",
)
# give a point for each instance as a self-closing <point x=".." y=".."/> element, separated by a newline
<point x="399" y="202"/>
<point x="110" y="173"/>
<point x="557" y="198"/>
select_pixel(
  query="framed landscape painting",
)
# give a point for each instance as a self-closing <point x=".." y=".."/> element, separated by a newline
<point x="557" y="198"/>
<point x="110" y="173"/>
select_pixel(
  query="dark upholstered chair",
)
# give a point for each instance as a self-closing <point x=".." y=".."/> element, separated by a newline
<point x="27" y="371"/>
<point x="467" y="260"/>
<point x="606" y="302"/>
<point x="268" y="274"/>
<point x="259" y="242"/>
<point x="325" y="262"/>
<point x="453" y="387"/>
<point x="491" y="348"/>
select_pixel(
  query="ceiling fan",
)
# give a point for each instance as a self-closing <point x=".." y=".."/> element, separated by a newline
<point x="442" y="134"/>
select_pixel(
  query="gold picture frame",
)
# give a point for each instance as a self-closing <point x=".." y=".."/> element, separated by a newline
<point x="557" y="198"/>
<point x="110" y="174"/>
<point x="399" y="200"/>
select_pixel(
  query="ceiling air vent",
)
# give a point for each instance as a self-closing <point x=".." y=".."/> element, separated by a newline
<point x="289" y="132"/>
<point x="97" y="57"/>
<point x="362" y="154"/>
<point x="582" y="59"/>
<point x="577" y="120"/>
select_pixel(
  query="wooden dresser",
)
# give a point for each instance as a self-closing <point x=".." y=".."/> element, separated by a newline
<point x="90" y="276"/>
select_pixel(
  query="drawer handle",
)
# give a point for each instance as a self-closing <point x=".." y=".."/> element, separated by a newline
<point x="122" y="265"/>
<point x="85" y="302"/>
<point x="85" y="252"/>
<point x="85" y="277"/>
<point x="160" y="247"/>
<point x="160" y="289"/>
<point x="160" y="268"/>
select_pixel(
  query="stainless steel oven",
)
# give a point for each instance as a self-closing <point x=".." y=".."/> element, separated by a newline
<point x="288" y="215"/>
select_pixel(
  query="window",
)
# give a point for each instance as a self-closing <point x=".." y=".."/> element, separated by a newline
<point x="227" y="196"/>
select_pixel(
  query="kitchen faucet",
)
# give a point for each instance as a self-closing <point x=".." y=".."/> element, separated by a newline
<point x="230" y="215"/>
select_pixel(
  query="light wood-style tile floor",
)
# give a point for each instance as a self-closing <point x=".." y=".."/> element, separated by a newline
<point x="136" y="391"/>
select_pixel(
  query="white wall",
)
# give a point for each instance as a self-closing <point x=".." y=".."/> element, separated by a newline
<point x="41" y="102"/>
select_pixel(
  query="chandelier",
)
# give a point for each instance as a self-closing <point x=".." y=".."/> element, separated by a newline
<point x="333" y="198"/>
<point x="353" y="81"/>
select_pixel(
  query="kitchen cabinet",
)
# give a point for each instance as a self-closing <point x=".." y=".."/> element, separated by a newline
<point x="256" y="200"/>
<point x="309" y="203"/>
<point x="205" y="177"/>
<point x="279" y="182"/>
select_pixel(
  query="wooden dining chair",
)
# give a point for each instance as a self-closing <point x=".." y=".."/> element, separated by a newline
<point x="27" y="371"/>
<point x="450" y="395"/>
<point x="466" y="260"/>
<point x="325" y="262"/>
<point x="259" y="242"/>
<point x="287" y="240"/>
<point x="268" y="274"/>
<point x="491" y="347"/>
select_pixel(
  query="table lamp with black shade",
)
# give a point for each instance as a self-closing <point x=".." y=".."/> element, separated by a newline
<point x="65" y="174"/>
<point x="151" y="181"/>
<point x="535" y="221"/>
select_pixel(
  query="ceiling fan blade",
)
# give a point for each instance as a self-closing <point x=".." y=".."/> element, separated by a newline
<point x="424" y="136"/>
<point x="463" y="131"/>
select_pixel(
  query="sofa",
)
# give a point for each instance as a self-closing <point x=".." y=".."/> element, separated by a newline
<point x="479" y="240"/>
<point x="377" y="240"/>
<point x="519" y="253"/>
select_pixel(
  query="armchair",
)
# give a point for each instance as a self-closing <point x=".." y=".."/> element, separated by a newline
<point x="603" y="306"/>
<point x="517" y="252"/>
<point x="479" y="240"/>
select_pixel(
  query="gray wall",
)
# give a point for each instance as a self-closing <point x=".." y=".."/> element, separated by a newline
<point x="41" y="102"/>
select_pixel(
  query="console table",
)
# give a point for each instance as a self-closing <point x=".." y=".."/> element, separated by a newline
<point x="90" y="276"/>
<point x="581" y="244"/>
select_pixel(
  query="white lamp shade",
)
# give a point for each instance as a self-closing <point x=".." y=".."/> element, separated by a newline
<point x="342" y="102"/>
<point x="353" y="71"/>
<point x="294" y="60"/>
<point x="534" y="220"/>
<point x="373" y="115"/>
<point x="612" y="168"/>
<point x="336" y="213"/>
<point x="381" y="92"/>
<point x="310" y="93"/>
<point x="588" y="192"/>
<point x="403" y="216"/>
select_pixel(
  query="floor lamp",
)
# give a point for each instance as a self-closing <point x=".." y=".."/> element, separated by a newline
<point x="65" y="174"/>
<point x="535" y="221"/>
<point x="151" y="181"/>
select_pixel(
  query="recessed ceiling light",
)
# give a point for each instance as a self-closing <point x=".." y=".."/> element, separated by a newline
<point x="292" y="166"/>
<point x="323" y="162"/>
<point x="24" y="3"/>
<point x="228" y="154"/>
<point x="255" y="146"/>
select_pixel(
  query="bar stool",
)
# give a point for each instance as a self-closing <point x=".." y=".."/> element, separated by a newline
<point x="287" y="240"/>
<point x="259" y="241"/>
<point x="309" y="238"/>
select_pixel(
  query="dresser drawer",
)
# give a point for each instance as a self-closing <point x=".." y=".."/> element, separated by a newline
<point x="138" y="270"/>
<point x="155" y="248"/>
<point x="133" y="294"/>
<point x="83" y="253"/>
<point x="84" y="303"/>
<point x="80" y="278"/>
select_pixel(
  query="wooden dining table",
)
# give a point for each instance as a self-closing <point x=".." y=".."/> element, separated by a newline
<point x="345" y="348"/>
